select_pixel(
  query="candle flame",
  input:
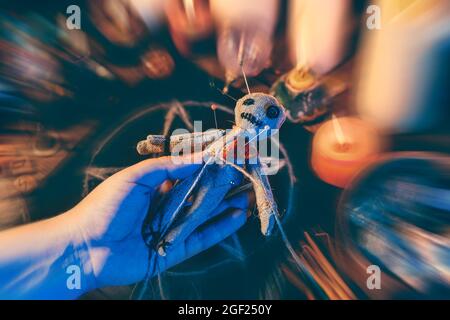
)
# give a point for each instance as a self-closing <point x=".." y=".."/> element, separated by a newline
<point x="301" y="43"/>
<point x="241" y="49"/>
<point x="338" y="130"/>
<point x="190" y="10"/>
<point x="241" y="59"/>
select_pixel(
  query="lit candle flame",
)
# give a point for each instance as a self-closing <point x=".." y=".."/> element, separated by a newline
<point x="338" y="131"/>
<point x="301" y="43"/>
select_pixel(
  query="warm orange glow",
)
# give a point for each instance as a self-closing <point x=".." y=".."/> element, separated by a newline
<point x="341" y="148"/>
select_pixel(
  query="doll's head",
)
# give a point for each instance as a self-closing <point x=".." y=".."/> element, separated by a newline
<point x="259" y="111"/>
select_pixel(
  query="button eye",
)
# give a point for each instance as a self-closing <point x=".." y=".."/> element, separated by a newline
<point x="248" y="102"/>
<point x="273" y="112"/>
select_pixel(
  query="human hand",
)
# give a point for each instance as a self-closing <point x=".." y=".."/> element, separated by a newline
<point x="110" y="220"/>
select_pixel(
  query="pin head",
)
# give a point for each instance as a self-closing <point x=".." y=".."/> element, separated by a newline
<point x="259" y="111"/>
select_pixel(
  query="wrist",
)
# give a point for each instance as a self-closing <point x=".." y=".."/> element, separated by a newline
<point x="78" y="262"/>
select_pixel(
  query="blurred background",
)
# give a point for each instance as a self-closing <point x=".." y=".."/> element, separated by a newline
<point x="364" y="175"/>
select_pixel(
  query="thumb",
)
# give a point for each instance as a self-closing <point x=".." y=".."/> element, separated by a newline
<point x="153" y="172"/>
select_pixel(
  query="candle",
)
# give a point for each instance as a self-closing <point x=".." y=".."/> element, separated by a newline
<point x="318" y="32"/>
<point x="245" y="31"/>
<point x="302" y="95"/>
<point x="118" y="22"/>
<point x="404" y="51"/>
<point x="190" y="24"/>
<point x="343" y="147"/>
<point x="306" y="97"/>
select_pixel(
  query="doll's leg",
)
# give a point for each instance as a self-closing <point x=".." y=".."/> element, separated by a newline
<point x="265" y="202"/>
<point x="171" y="205"/>
<point x="212" y="190"/>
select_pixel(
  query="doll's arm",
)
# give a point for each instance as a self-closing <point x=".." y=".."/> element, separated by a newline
<point x="265" y="202"/>
<point x="153" y="144"/>
<point x="191" y="142"/>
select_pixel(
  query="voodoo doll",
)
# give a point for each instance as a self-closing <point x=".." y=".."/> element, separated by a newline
<point x="193" y="197"/>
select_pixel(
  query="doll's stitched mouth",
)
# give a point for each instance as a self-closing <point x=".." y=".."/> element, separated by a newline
<point x="251" y="118"/>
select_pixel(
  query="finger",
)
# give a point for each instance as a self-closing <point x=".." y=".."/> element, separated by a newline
<point x="239" y="201"/>
<point x="163" y="215"/>
<point x="153" y="172"/>
<point x="204" y="238"/>
<point x="210" y="235"/>
<point x="210" y="192"/>
<point x="186" y="226"/>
